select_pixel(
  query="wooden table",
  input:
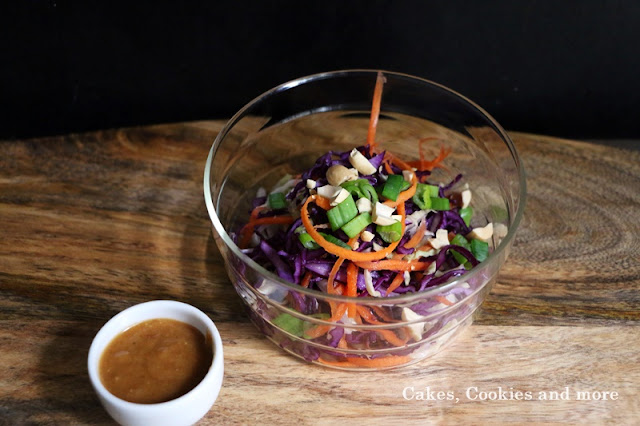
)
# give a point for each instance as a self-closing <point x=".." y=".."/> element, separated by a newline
<point x="91" y="224"/>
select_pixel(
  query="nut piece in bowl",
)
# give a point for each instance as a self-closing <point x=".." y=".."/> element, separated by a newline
<point x="363" y="216"/>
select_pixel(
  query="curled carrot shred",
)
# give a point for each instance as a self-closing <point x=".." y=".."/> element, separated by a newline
<point x="332" y="275"/>
<point x="424" y="165"/>
<point x="375" y="112"/>
<point x="384" y="362"/>
<point x="247" y="230"/>
<point x="340" y="251"/>
<point x="394" y="265"/>
<point x="443" y="300"/>
<point x="323" y="202"/>
<point x="352" y="287"/>
<point x="395" y="283"/>
<point x="417" y="237"/>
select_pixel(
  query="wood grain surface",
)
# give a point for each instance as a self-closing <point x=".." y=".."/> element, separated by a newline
<point x="91" y="224"/>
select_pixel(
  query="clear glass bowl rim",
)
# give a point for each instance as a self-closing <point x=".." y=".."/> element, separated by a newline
<point x="405" y="298"/>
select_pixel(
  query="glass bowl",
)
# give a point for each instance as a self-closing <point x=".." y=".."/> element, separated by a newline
<point x="284" y="131"/>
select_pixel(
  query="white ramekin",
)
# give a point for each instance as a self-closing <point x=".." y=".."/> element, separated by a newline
<point x="185" y="410"/>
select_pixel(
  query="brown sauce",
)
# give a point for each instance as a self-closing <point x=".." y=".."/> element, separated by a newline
<point x="155" y="361"/>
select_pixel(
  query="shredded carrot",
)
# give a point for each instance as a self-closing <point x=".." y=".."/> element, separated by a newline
<point x="424" y="165"/>
<point x="319" y="330"/>
<point x="395" y="283"/>
<point x="388" y="361"/>
<point x="323" y="202"/>
<point x="332" y="275"/>
<point x="352" y="287"/>
<point x="340" y="251"/>
<point x="425" y="247"/>
<point x="247" y="230"/>
<point x="306" y="279"/>
<point x="443" y="300"/>
<point x="388" y="168"/>
<point x="342" y="343"/>
<point x="375" y="112"/>
<point x="367" y="315"/>
<point x="398" y="162"/>
<point x="284" y="220"/>
<point x="382" y="314"/>
<point x="417" y="237"/>
<point x="394" y="265"/>
<point x="391" y="337"/>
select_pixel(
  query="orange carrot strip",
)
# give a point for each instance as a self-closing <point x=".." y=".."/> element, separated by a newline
<point x="388" y="335"/>
<point x="388" y="361"/>
<point x="387" y="167"/>
<point x="342" y="343"/>
<point x="271" y="220"/>
<point x="400" y="163"/>
<point x="392" y="338"/>
<point x="394" y="265"/>
<point x="319" y="330"/>
<point x="339" y="313"/>
<point x="395" y="283"/>
<point x="332" y="275"/>
<point x="247" y="230"/>
<point x="340" y="251"/>
<point x="443" y="300"/>
<point x="352" y="287"/>
<point x="417" y="237"/>
<point x="306" y="279"/>
<point x="375" y="112"/>
<point x="323" y="202"/>
<point x="425" y="247"/>
<point x="430" y="165"/>
<point x="366" y="314"/>
<point x="382" y="314"/>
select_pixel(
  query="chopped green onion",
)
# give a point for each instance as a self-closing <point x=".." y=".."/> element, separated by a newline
<point x="461" y="241"/>
<point x="307" y="325"/>
<point x="295" y="325"/>
<point x="424" y="194"/>
<point x="308" y="241"/>
<point x="342" y="213"/>
<point x="466" y="214"/>
<point x="480" y="249"/>
<point x="405" y="185"/>
<point x="290" y="324"/>
<point x="369" y="191"/>
<point x="335" y="241"/>
<point x="440" y="204"/>
<point x="353" y="188"/>
<point x="422" y="197"/>
<point x="392" y="187"/>
<point x="357" y="224"/>
<point x="498" y="214"/>
<point x="362" y="188"/>
<point x="277" y="201"/>
<point x="390" y="233"/>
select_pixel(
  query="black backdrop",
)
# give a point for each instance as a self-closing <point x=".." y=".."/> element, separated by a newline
<point x="564" y="68"/>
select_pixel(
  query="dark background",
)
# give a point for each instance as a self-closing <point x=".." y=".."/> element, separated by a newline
<point x="563" y="68"/>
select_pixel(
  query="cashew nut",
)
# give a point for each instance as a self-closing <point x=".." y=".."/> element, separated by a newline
<point x="361" y="163"/>
<point x="339" y="174"/>
<point x="482" y="234"/>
